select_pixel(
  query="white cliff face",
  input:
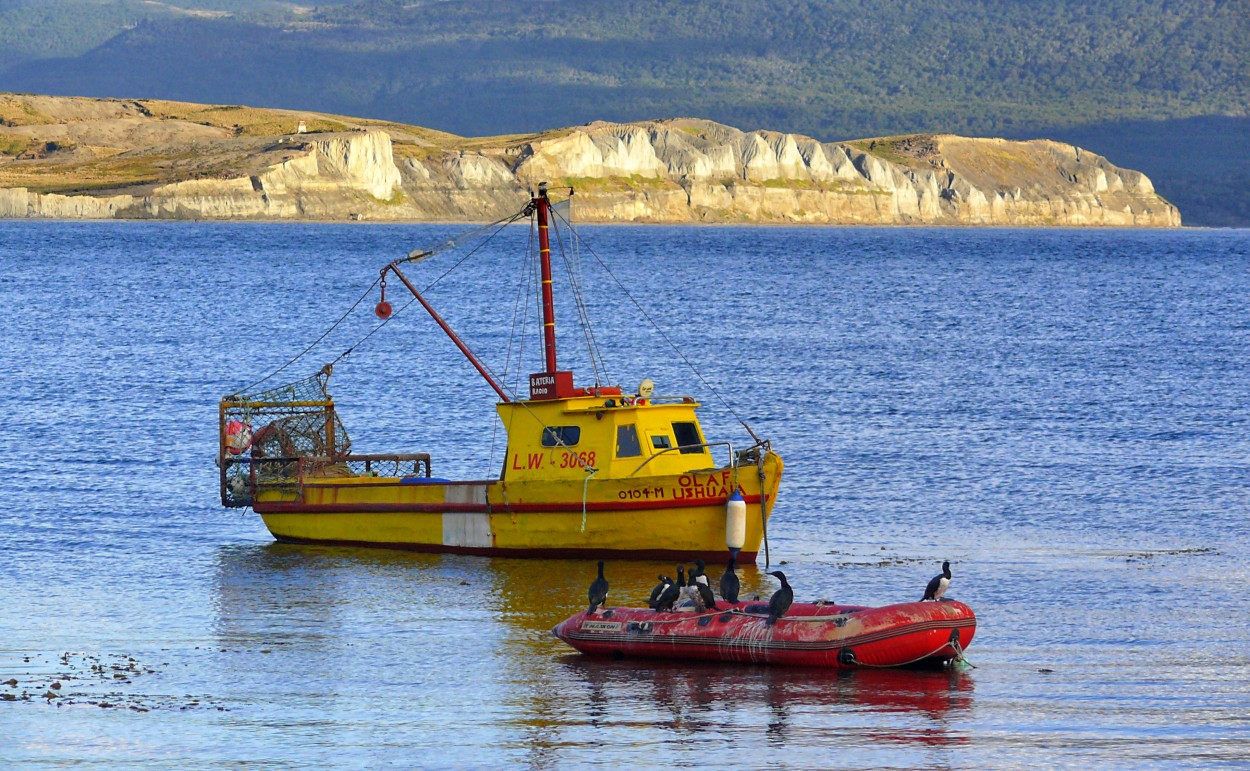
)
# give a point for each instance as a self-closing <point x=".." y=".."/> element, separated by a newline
<point x="731" y="176"/>
<point x="338" y="175"/>
<point x="19" y="203"/>
<point x="665" y="171"/>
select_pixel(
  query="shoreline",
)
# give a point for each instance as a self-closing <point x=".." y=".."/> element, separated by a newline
<point x="593" y="223"/>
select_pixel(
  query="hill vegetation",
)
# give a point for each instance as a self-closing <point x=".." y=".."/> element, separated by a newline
<point x="834" y="69"/>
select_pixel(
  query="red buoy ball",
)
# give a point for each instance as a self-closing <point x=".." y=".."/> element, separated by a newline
<point x="383" y="310"/>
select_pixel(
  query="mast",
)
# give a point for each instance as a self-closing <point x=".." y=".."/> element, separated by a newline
<point x="551" y="383"/>
<point x="541" y="206"/>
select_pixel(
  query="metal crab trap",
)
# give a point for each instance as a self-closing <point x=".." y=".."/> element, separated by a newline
<point x="275" y="439"/>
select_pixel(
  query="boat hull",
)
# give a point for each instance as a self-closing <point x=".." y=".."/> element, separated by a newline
<point x="680" y="517"/>
<point x="811" y="635"/>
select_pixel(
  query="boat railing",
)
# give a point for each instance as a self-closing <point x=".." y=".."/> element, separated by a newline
<point x="629" y="401"/>
<point x="733" y="459"/>
<point x="401" y="465"/>
<point x="751" y="456"/>
<point x="287" y="475"/>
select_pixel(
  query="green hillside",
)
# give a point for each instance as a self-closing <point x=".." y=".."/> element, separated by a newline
<point x="833" y="70"/>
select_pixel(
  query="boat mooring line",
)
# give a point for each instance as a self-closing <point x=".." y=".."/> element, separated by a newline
<point x="953" y="644"/>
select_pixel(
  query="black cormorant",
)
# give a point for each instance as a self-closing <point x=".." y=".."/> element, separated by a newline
<point x="706" y="598"/>
<point x="696" y="583"/>
<point x="729" y="582"/>
<point x="937" y="584"/>
<point x="672" y="592"/>
<point x="781" y="599"/>
<point x="598" y="592"/>
<point x="659" y="589"/>
<point x="697" y="576"/>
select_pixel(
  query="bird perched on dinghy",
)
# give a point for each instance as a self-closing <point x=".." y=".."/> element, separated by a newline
<point x="672" y="592"/>
<point x="937" y="584"/>
<point x="665" y="582"/>
<point x="729" y="585"/>
<point x="781" y="600"/>
<point x="704" y="598"/>
<point x="598" y="592"/>
<point x="700" y="590"/>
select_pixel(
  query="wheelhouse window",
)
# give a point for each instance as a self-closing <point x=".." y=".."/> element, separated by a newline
<point x="627" y="444"/>
<point x="661" y="442"/>
<point x="561" y="436"/>
<point x="688" y="438"/>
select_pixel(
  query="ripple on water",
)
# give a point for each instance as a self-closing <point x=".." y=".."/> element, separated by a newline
<point x="1060" y="414"/>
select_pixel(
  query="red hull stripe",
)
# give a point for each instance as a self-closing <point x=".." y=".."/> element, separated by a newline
<point x="744" y="558"/>
<point x="333" y="485"/>
<point x="276" y="507"/>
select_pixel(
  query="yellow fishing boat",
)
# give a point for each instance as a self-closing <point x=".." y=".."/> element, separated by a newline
<point x="589" y="471"/>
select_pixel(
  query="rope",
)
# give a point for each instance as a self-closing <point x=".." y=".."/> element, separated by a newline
<point x="413" y="256"/>
<point x="739" y="611"/>
<point x="953" y="644"/>
<point x="585" y="487"/>
<point x="692" y="616"/>
<point x="666" y="338"/>
<point x="316" y="342"/>
<point x="905" y="663"/>
<point x="960" y="656"/>
<point x="764" y="499"/>
<point x="571" y="265"/>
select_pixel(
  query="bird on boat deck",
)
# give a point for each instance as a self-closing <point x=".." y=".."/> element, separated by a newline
<point x="703" y="597"/>
<point x="598" y="592"/>
<point x="781" y="599"/>
<point x="671" y="593"/>
<point x="937" y="584"/>
<point x="729" y="585"/>
<point x="697" y="575"/>
<point x="665" y="582"/>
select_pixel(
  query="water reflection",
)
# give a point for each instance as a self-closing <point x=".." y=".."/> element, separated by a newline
<point x="691" y="697"/>
<point x="453" y="633"/>
<point x="275" y="592"/>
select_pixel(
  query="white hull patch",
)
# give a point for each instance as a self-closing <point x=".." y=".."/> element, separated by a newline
<point x="470" y="529"/>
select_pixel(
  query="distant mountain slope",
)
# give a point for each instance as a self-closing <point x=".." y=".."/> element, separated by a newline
<point x="834" y="69"/>
<point x="73" y="157"/>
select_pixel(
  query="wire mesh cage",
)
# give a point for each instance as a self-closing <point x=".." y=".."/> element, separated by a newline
<point x="263" y="437"/>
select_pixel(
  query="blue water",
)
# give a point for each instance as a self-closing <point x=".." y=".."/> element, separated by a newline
<point x="1062" y="414"/>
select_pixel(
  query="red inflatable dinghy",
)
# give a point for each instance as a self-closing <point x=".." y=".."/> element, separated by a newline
<point x="810" y="634"/>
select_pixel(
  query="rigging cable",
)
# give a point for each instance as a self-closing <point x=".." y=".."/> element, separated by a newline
<point x="666" y="338"/>
<point x="579" y="297"/>
<point x="316" y="342"/>
<point x="516" y="336"/>
<point x="413" y="256"/>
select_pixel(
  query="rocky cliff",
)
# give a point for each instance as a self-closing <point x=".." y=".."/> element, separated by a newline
<point x="68" y="158"/>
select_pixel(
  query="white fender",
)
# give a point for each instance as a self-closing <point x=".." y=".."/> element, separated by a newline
<point x="735" y="522"/>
